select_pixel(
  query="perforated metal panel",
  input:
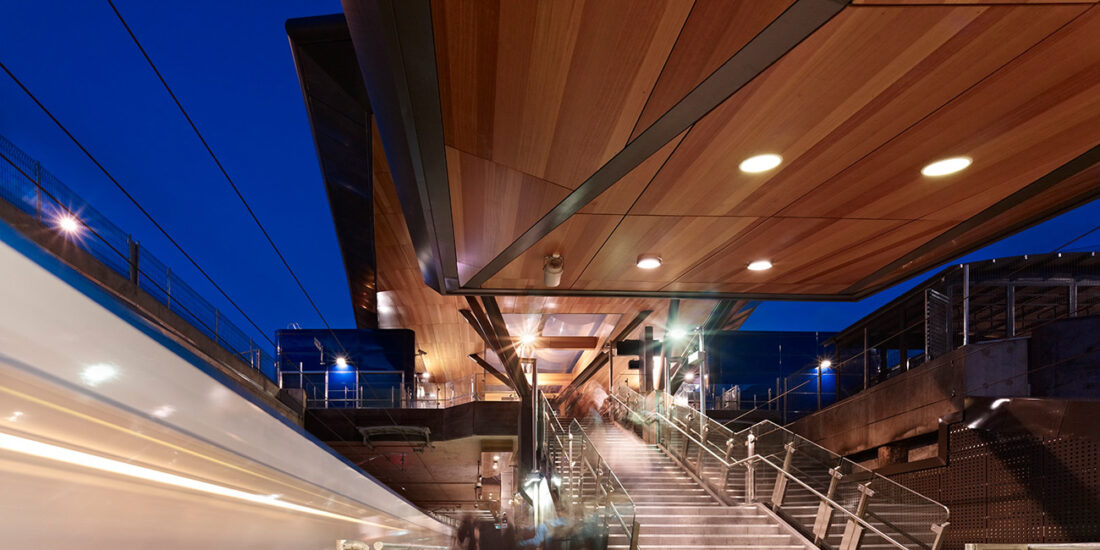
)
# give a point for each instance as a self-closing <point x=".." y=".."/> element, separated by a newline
<point x="1015" y="489"/>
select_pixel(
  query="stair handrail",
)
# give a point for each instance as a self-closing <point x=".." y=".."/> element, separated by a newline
<point x="755" y="458"/>
<point x="863" y="470"/>
<point x="882" y="485"/>
<point x="576" y="432"/>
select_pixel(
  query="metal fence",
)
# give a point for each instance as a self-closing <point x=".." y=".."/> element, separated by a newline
<point x="33" y="190"/>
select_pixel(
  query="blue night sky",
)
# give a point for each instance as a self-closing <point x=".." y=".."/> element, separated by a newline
<point x="230" y="65"/>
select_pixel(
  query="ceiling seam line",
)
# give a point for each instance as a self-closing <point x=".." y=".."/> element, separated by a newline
<point x="657" y="81"/>
<point x="937" y="109"/>
<point x="632" y="204"/>
<point x="838" y="5"/>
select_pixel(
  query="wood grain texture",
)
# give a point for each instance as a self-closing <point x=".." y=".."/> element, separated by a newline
<point x="615" y="266"/>
<point x="1041" y="206"/>
<point x="550" y="88"/>
<point x="1029" y="117"/>
<point x="858" y="82"/>
<point x="714" y="32"/>
<point x="960" y="2"/>
<point x="492" y="205"/>
<point x="809" y="252"/>
<point x="577" y="240"/>
<point x="618" y="198"/>
<point x="404" y="301"/>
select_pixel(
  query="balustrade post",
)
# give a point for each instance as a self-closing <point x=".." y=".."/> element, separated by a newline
<point x="728" y="457"/>
<point x="825" y="510"/>
<point x="780" y="489"/>
<point x="939" y="530"/>
<point x="853" y="531"/>
<point x="702" y="443"/>
<point x="687" y="442"/>
<point x="750" y="470"/>
<point x="135" y="251"/>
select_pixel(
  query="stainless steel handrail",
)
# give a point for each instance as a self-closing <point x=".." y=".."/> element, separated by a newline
<point x="863" y="470"/>
<point x="551" y="421"/>
<point x="757" y="458"/>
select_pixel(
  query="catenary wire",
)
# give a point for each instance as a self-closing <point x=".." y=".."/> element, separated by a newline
<point x="133" y="200"/>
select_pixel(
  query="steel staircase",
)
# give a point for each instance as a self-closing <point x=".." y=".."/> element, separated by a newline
<point x="834" y="502"/>
<point x="672" y="508"/>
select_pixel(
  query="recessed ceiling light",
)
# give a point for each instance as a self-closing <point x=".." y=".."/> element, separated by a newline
<point x="760" y="265"/>
<point x="946" y="166"/>
<point x="649" y="261"/>
<point x="760" y="163"/>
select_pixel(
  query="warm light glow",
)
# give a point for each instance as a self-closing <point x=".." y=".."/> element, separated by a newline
<point x="341" y="361"/>
<point x="946" y="166"/>
<point x="426" y="375"/>
<point x="527" y="339"/>
<point x="69" y="456"/>
<point x="689" y="376"/>
<point x="496" y="457"/>
<point x="760" y="265"/>
<point x="676" y="333"/>
<point x="760" y="163"/>
<point x="825" y="363"/>
<point x="68" y="223"/>
<point x="649" y="261"/>
<point x="94" y="375"/>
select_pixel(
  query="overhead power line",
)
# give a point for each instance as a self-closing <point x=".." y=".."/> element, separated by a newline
<point x="244" y="202"/>
<point x="133" y="200"/>
<point x="221" y="167"/>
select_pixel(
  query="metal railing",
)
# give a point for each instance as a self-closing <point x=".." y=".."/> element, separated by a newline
<point x="27" y="186"/>
<point x="345" y="388"/>
<point x="582" y="478"/>
<point x="828" y="497"/>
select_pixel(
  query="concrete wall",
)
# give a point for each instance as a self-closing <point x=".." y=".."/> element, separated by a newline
<point x="916" y="402"/>
<point x="487" y="418"/>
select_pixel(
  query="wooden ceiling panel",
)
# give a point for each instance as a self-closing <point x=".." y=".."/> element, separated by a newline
<point x="807" y="251"/>
<point x="615" y="265"/>
<point x="873" y="72"/>
<point x="1028" y="118"/>
<point x="715" y="30"/>
<point x="551" y="89"/>
<point x="971" y="2"/>
<point x="618" y="198"/>
<point x="577" y="240"/>
<point x="1028" y="210"/>
<point x="404" y="301"/>
<point x="789" y="290"/>
<point x="493" y="204"/>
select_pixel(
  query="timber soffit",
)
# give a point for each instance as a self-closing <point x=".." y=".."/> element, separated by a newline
<point x="407" y="42"/>
<point x="784" y="33"/>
